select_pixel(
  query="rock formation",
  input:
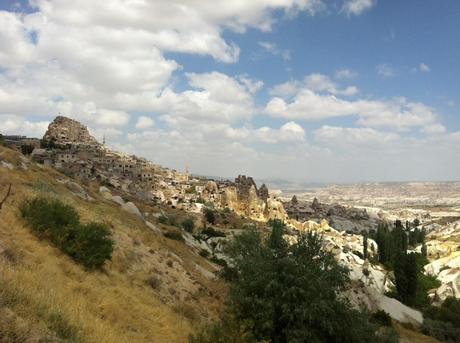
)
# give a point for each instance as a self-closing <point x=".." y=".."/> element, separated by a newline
<point x="64" y="130"/>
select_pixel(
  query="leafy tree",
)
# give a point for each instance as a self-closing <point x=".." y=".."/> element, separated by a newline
<point x="289" y="293"/>
<point x="2" y="140"/>
<point x="405" y="269"/>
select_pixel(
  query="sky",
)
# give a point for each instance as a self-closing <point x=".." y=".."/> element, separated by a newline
<point x="307" y="90"/>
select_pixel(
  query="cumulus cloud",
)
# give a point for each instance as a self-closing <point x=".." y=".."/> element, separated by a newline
<point x="344" y="74"/>
<point x="422" y="68"/>
<point x="385" y="70"/>
<point x="14" y="125"/>
<point x="340" y="135"/>
<point x="106" y="58"/>
<point x="144" y="122"/>
<point x="309" y="105"/>
<point x="273" y="49"/>
<point x="315" y="82"/>
<point x="357" y="7"/>
<point x="434" y="129"/>
<point x="322" y="83"/>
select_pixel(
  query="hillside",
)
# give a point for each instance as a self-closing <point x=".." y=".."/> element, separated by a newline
<point x="155" y="289"/>
<point x="45" y="296"/>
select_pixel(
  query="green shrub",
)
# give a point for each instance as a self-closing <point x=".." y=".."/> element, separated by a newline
<point x="219" y="261"/>
<point x="90" y="244"/>
<point x="204" y="253"/>
<point x="381" y="317"/>
<point x="172" y="220"/>
<point x="163" y="219"/>
<point x="154" y="282"/>
<point x="210" y="216"/>
<point x="211" y="232"/>
<point x="188" y="225"/>
<point x="443" y="322"/>
<point x="175" y="235"/>
<point x="444" y="331"/>
<point x="50" y="218"/>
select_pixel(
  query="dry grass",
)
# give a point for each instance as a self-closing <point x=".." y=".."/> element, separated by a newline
<point x="410" y="335"/>
<point x="44" y="294"/>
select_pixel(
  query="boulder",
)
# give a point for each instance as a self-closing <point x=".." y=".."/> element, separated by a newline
<point x="118" y="199"/>
<point x="131" y="208"/>
<point x="105" y="192"/>
<point x="153" y="227"/>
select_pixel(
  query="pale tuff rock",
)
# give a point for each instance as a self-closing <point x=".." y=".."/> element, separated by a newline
<point x="105" y="192"/>
<point x="447" y="271"/>
<point x="5" y="164"/>
<point x="118" y="199"/>
<point x="153" y="227"/>
<point x="64" y="130"/>
<point x="131" y="208"/>
<point x="76" y="189"/>
<point x="399" y="311"/>
<point x="363" y="297"/>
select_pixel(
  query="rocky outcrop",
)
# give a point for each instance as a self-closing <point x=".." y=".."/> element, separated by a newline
<point x="131" y="208"/>
<point x="64" y="130"/>
<point x="263" y="192"/>
<point x="447" y="271"/>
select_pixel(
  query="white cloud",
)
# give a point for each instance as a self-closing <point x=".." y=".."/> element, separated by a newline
<point x="14" y="125"/>
<point x="385" y="70"/>
<point x="309" y="105"/>
<point x="322" y="83"/>
<point x="340" y="135"/>
<point x="342" y="74"/>
<point x="357" y="7"/>
<point x="144" y="122"/>
<point x="273" y="49"/>
<point x="286" y="89"/>
<point x="424" y="68"/>
<point x="214" y="96"/>
<point x="434" y="129"/>
<point x="106" y="59"/>
<point x="315" y="82"/>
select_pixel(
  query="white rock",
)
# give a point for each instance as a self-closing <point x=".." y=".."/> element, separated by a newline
<point x="7" y="165"/>
<point x="118" y="199"/>
<point x="131" y="208"/>
<point x="153" y="227"/>
<point x="399" y="311"/>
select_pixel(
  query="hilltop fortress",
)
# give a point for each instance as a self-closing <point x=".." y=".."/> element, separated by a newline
<point x="68" y="146"/>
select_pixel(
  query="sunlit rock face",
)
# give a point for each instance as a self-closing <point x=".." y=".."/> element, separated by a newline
<point x="64" y="130"/>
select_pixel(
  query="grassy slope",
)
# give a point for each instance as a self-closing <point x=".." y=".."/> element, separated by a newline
<point x="43" y="293"/>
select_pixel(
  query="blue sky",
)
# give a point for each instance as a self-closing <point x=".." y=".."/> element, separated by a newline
<point x="312" y="90"/>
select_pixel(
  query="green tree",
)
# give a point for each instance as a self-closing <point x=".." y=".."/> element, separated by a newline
<point x="406" y="273"/>
<point x="289" y="293"/>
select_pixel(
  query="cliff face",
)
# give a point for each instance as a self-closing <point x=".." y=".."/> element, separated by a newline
<point x="64" y="130"/>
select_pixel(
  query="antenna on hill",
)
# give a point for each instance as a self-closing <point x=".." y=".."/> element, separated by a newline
<point x="103" y="140"/>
